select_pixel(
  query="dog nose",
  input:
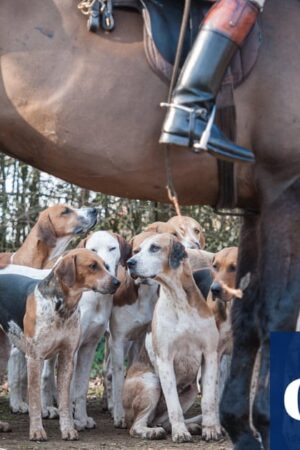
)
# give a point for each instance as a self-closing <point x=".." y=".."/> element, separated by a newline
<point x="216" y="289"/>
<point x="116" y="282"/>
<point x="131" y="263"/>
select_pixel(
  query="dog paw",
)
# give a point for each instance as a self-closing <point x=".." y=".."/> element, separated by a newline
<point x="50" y="412"/>
<point x="155" y="434"/>
<point x="195" y="429"/>
<point x="90" y="423"/>
<point x="38" y="434"/>
<point x="4" y="427"/>
<point x="149" y="433"/>
<point x="21" y="408"/>
<point x="81" y="425"/>
<point x="69" y="434"/>
<point x="211" y="433"/>
<point x="120" y="423"/>
<point x="182" y="436"/>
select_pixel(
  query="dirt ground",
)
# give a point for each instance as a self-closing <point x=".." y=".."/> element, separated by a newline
<point x="105" y="436"/>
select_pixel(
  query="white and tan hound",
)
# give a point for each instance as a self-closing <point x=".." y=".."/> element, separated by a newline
<point x="134" y="305"/>
<point x="183" y="336"/>
<point x="42" y="319"/>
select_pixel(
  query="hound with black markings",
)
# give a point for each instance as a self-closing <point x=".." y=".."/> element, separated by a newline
<point x="42" y="319"/>
<point x="183" y="332"/>
<point x="95" y="311"/>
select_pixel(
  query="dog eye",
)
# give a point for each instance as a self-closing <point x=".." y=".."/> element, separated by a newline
<point x="106" y="266"/>
<point x="232" y="268"/>
<point x="111" y="249"/>
<point x="66" y="211"/>
<point x="175" y="234"/>
<point x="93" y="250"/>
<point x="197" y="231"/>
<point x="93" y="266"/>
<point x="154" y="248"/>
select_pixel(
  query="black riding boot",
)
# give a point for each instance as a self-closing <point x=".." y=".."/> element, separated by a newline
<point x="190" y="116"/>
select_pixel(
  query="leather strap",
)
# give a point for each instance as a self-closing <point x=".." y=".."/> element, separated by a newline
<point x="227" y="190"/>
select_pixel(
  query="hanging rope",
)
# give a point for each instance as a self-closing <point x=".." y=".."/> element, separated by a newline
<point x="172" y="194"/>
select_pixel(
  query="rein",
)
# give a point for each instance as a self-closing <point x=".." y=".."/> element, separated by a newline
<point x="172" y="194"/>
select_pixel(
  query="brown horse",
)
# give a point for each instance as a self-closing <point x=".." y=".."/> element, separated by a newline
<point x="85" y="108"/>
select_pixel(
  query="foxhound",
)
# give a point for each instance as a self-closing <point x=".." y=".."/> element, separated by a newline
<point x="42" y="319"/>
<point x="183" y="334"/>
<point x="220" y="301"/>
<point x="55" y="228"/>
<point x="95" y="311"/>
<point x="133" y="308"/>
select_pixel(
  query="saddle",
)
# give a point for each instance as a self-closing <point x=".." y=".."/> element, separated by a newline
<point x="162" y="22"/>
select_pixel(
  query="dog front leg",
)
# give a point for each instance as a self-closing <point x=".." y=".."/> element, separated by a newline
<point x="167" y="379"/>
<point x="81" y="379"/>
<point x="117" y="360"/>
<point x="36" y="431"/>
<point x="17" y="381"/>
<point x="64" y="378"/>
<point x="49" y="389"/>
<point x="211" y="429"/>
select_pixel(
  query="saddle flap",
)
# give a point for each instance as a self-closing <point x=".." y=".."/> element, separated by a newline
<point x="162" y="21"/>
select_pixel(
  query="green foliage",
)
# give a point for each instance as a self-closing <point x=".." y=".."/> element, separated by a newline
<point x="98" y="360"/>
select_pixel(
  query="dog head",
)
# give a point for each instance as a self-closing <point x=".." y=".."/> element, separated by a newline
<point x="157" y="254"/>
<point x="111" y="247"/>
<point x="161" y="227"/>
<point x="188" y="231"/>
<point x="83" y="270"/>
<point x="60" y="221"/>
<point x="224" y="273"/>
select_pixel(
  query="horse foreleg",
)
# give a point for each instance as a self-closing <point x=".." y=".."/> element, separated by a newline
<point x="261" y="419"/>
<point x="235" y="404"/>
<point x="279" y="300"/>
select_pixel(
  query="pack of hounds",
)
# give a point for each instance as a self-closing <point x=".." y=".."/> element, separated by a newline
<point x="161" y="301"/>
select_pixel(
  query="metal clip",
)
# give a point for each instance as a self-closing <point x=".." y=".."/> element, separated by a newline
<point x="107" y="21"/>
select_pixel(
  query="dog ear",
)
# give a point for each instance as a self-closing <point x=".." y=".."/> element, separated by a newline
<point x="155" y="227"/>
<point x="66" y="271"/>
<point x="177" y="254"/>
<point x="161" y="227"/>
<point x="82" y="243"/>
<point x="125" y="249"/>
<point x="46" y="231"/>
